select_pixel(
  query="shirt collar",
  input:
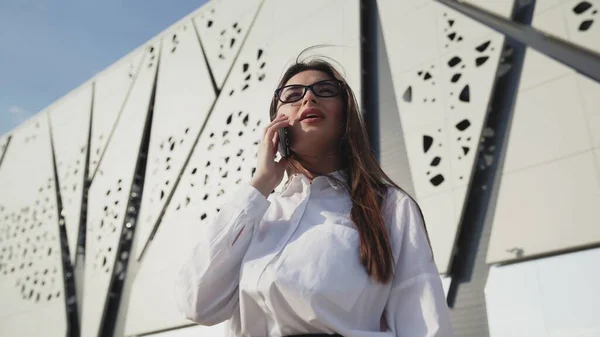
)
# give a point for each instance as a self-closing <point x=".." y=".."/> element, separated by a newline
<point x="298" y="179"/>
<point x="339" y="175"/>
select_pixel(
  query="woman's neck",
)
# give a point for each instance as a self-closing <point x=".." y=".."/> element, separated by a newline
<point x="319" y="164"/>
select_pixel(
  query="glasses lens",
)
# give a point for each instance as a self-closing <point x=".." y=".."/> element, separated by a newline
<point x="291" y="93"/>
<point x="327" y="88"/>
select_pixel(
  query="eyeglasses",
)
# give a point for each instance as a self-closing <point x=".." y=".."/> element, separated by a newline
<point x="295" y="92"/>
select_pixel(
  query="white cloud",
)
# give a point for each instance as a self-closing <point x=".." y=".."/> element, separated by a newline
<point x="16" y="110"/>
<point x="18" y="113"/>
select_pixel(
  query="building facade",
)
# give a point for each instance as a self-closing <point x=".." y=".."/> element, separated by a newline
<point x="104" y="192"/>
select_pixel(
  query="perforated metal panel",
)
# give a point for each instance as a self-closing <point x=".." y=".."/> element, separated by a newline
<point x="31" y="274"/>
<point x="573" y="21"/>
<point x="443" y="84"/>
<point x="70" y="124"/>
<point x="550" y="297"/>
<point x="109" y="194"/>
<point x="225" y="155"/>
<point x="184" y="97"/>
<point x="223" y="25"/>
<point x="551" y="181"/>
<point x="111" y="90"/>
<point x="582" y="21"/>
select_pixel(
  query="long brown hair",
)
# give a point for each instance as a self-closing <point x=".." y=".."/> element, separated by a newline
<point x="366" y="182"/>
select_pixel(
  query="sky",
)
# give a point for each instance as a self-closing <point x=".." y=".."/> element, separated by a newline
<point x="48" y="48"/>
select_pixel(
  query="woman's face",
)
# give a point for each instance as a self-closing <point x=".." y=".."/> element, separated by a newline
<point x="313" y="136"/>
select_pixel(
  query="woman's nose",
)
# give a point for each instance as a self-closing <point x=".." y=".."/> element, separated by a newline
<point x="309" y="96"/>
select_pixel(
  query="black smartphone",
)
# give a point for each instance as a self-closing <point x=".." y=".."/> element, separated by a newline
<point x="284" y="142"/>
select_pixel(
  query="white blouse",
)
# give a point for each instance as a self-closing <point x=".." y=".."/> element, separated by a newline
<point x="290" y="265"/>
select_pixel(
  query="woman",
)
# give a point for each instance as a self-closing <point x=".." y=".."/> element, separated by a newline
<point x="340" y="250"/>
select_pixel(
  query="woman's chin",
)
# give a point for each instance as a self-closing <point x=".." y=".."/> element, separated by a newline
<point x="310" y="131"/>
<point x="310" y="138"/>
<point x="311" y="148"/>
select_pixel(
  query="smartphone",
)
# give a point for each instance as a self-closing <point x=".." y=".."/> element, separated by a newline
<point x="284" y="142"/>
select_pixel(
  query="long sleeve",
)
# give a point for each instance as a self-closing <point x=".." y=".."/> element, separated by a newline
<point x="416" y="306"/>
<point x="206" y="288"/>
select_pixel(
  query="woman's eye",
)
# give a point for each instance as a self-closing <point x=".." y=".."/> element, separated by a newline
<point x="291" y="94"/>
<point x="326" y="89"/>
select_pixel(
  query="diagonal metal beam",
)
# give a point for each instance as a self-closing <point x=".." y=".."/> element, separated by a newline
<point x="583" y="60"/>
<point x="5" y="148"/>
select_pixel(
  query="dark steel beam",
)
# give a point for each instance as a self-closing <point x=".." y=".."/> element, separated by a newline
<point x="468" y="263"/>
<point x="369" y="99"/>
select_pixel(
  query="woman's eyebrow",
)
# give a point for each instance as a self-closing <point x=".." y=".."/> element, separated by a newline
<point x="311" y="82"/>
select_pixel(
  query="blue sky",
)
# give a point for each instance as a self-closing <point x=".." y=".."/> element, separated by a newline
<point x="48" y="48"/>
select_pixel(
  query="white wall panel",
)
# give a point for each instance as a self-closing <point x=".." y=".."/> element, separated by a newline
<point x="406" y="49"/>
<point x="184" y="96"/>
<point x="109" y="194"/>
<point x="589" y="92"/>
<point x="548" y="124"/>
<point x="539" y="68"/>
<point x="70" y="124"/>
<point x="443" y="83"/>
<point x="446" y="281"/>
<point x="542" y="5"/>
<point x="513" y="301"/>
<point x="547" y="208"/>
<point x="552" y="297"/>
<point x="402" y="6"/>
<point x="112" y="87"/>
<point x="555" y="126"/>
<point x="45" y="321"/>
<point x="225" y="154"/>
<point x="223" y="26"/>
<point x="439" y="209"/>
<point x="498" y="7"/>
<point x="31" y="275"/>
<point x="219" y="330"/>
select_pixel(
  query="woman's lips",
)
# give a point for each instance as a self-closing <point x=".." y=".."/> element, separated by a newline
<point x="311" y="120"/>
<point x="311" y="113"/>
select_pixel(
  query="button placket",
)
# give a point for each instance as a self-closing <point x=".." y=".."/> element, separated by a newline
<point x="295" y="221"/>
<point x="294" y="226"/>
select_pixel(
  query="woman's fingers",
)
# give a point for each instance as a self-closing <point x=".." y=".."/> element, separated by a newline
<point x="273" y="122"/>
<point x="267" y="170"/>
<point x="271" y="130"/>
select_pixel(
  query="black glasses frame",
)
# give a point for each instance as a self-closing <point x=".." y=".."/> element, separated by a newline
<point x="339" y="83"/>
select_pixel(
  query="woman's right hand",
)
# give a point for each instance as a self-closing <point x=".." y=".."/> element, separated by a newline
<point x="269" y="173"/>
